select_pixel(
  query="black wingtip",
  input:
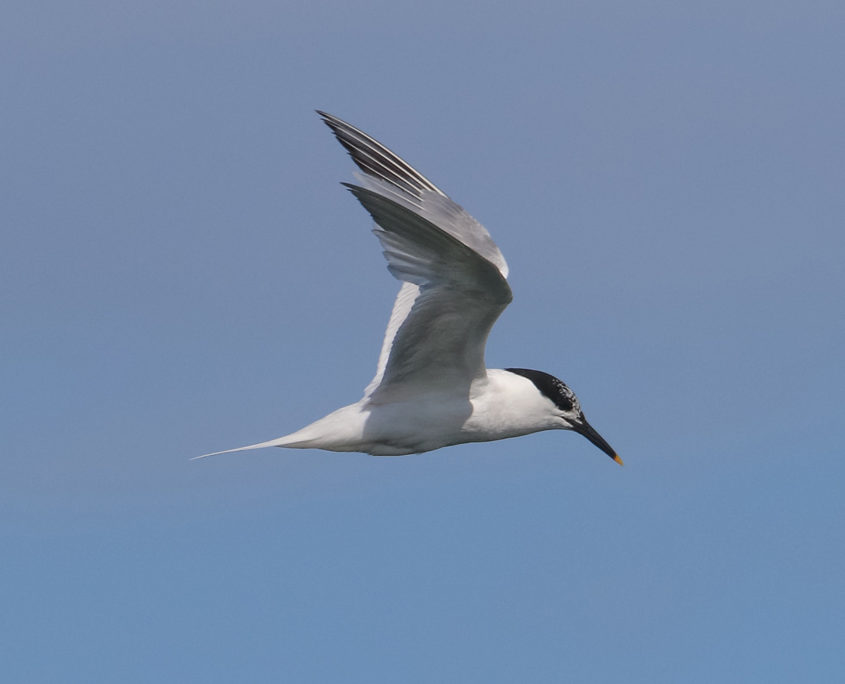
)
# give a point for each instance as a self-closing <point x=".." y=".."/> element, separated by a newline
<point x="378" y="161"/>
<point x="331" y="121"/>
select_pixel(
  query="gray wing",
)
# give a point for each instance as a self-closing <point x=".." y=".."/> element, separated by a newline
<point x="452" y="273"/>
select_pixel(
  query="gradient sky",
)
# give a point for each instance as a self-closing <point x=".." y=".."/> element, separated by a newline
<point x="180" y="272"/>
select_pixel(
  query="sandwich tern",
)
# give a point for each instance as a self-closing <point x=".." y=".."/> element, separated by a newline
<point x="431" y="388"/>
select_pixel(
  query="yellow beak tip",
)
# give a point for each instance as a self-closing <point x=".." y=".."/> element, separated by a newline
<point x="618" y="460"/>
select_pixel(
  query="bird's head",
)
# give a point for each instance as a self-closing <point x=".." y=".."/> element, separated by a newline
<point x="565" y="407"/>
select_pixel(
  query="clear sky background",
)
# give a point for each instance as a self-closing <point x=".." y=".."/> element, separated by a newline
<point x="180" y="272"/>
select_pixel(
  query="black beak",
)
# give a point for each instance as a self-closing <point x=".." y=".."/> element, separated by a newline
<point x="584" y="428"/>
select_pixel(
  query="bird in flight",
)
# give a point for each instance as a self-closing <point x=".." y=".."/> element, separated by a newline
<point x="431" y="388"/>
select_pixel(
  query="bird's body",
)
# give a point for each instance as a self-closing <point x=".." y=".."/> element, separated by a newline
<point x="431" y="387"/>
<point x="497" y="406"/>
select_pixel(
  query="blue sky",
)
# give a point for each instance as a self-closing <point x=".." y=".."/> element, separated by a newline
<point x="180" y="272"/>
